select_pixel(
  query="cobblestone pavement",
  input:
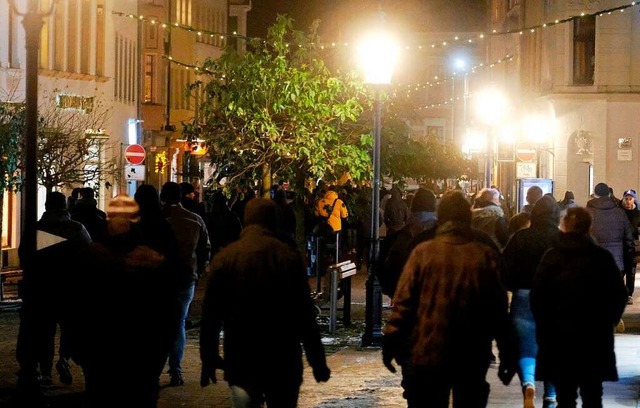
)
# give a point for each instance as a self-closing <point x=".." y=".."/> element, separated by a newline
<point x="358" y="378"/>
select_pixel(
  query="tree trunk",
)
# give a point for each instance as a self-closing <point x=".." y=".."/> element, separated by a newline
<point x="266" y="180"/>
<point x="1" y="218"/>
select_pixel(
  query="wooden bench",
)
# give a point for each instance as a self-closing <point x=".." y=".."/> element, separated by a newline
<point x="9" y="277"/>
<point x="340" y="273"/>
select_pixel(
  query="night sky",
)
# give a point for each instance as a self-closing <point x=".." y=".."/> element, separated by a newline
<point x="340" y="18"/>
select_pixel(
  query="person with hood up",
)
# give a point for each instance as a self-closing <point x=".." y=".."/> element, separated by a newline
<point x="521" y="258"/>
<point x="629" y="204"/>
<point x="396" y="211"/>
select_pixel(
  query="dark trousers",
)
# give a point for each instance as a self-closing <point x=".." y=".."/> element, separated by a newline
<point x="629" y="275"/>
<point x="432" y="387"/>
<point x="590" y="392"/>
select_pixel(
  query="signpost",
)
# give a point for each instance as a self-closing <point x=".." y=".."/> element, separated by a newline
<point x="135" y="154"/>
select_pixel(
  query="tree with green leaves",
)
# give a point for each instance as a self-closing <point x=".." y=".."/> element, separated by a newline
<point x="279" y="111"/>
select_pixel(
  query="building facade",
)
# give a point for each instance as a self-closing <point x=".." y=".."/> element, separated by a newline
<point x="578" y="70"/>
<point x="114" y="55"/>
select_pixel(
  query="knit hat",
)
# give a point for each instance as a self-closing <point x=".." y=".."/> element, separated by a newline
<point x="631" y="193"/>
<point x="423" y="200"/>
<point x="601" y="190"/>
<point x="124" y="207"/>
<point x="454" y="206"/>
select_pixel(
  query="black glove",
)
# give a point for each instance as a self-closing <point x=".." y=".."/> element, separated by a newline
<point x="506" y="372"/>
<point x="321" y="373"/>
<point x="389" y="347"/>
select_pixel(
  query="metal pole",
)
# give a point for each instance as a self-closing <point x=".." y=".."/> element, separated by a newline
<point x="453" y="108"/>
<point x="33" y="23"/>
<point x="489" y="169"/>
<point x="465" y="96"/>
<point x="373" y="310"/>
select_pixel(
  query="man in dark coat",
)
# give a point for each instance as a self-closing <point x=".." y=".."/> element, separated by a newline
<point x="259" y="269"/>
<point x="449" y="306"/>
<point x="45" y="291"/>
<point x="86" y="212"/>
<point x="575" y="338"/>
<point x="610" y="227"/>
<point x="396" y="247"/>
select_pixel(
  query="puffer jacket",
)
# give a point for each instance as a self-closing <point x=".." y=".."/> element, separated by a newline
<point x="337" y="213"/>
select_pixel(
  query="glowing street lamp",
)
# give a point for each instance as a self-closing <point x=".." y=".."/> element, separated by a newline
<point x="378" y="54"/>
<point x="491" y="108"/>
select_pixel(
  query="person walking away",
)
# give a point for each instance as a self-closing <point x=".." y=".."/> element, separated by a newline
<point x="396" y="211"/>
<point x="333" y="209"/>
<point x="260" y="269"/>
<point x="629" y="204"/>
<point x="611" y="228"/>
<point x="86" y="212"/>
<point x="125" y="307"/>
<point x="46" y="291"/>
<point x="487" y="215"/>
<point x="194" y="251"/>
<point x="449" y="306"/>
<point x="534" y="193"/>
<point x="576" y="338"/>
<point x="521" y="258"/>
<point x="395" y="248"/>
<point x="223" y="221"/>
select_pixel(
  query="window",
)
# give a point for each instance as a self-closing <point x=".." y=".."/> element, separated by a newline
<point x="584" y="50"/>
<point x="150" y="67"/>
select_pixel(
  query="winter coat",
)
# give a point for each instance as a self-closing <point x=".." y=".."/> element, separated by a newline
<point x="395" y="249"/>
<point x="450" y="303"/>
<point x="491" y="220"/>
<point x="334" y="208"/>
<point x="611" y="228"/>
<point x="194" y="248"/>
<point x="577" y="298"/>
<point x="249" y="279"/>
<point x="86" y="212"/>
<point x="526" y="247"/>
<point x="396" y="212"/>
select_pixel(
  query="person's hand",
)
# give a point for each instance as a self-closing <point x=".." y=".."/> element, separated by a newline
<point x="321" y="373"/>
<point x="389" y="347"/>
<point x="387" y="360"/>
<point x="506" y="372"/>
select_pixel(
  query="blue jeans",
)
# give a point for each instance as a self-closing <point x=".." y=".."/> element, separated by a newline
<point x="185" y="297"/>
<point x="525" y="328"/>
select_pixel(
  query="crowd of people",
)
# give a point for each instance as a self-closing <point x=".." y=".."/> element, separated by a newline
<point x="461" y="272"/>
<point x="475" y="276"/>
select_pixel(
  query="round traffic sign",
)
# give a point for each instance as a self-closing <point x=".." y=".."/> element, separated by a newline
<point x="134" y="154"/>
<point x="525" y="152"/>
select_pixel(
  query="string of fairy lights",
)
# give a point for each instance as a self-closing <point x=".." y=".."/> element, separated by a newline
<point x="408" y="88"/>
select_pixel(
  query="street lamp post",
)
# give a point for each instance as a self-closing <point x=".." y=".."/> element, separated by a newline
<point x="378" y="54"/>
<point x="32" y="20"/>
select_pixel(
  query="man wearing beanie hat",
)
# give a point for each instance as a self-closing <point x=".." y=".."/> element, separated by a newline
<point x="611" y="227"/>
<point x="194" y="251"/>
<point x="396" y="247"/>
<point x="448" y="307"/>
<point x="260" y="269"/>
<point x="629" y="204"/>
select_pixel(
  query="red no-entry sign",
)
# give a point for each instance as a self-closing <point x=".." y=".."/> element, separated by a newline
<point x="134" y="154"/>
